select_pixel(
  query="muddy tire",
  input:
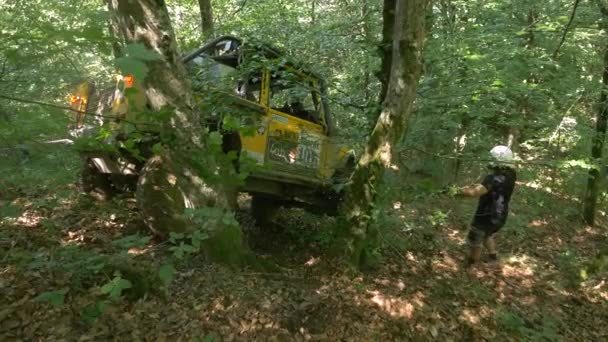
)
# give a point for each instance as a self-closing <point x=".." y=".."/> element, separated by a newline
<point x="96" y="183"/>
<point x="263" y="209"/>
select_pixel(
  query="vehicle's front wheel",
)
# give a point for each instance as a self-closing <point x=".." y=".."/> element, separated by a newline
<point x="263" y="209"/>
<point x="95" y="183"/>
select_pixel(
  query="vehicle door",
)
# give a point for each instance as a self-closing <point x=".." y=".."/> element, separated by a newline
<point x="296" y="134"/>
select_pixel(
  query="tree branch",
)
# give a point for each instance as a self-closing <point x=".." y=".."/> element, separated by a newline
<point x="240" y="8"/>
<point x="561" y="42"/>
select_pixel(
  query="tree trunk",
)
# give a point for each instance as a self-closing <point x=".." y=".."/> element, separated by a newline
<point x="386" y="45"/>
<point x="598" y="146"/>
<point x="407" y="39"/>
<point x="206" y="18"/>
<point x="593" y="182"/>
<point x="114" y="29"/>
<point x="187" y="175"/>
<point x="368" y="35"/>
<point x="514" y="131"/>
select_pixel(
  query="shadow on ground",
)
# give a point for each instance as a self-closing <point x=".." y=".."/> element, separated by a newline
<point x="419" y="290"/>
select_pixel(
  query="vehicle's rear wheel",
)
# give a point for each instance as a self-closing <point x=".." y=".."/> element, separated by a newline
<point x="263" y="209"/>
<point x="95" y="183"/>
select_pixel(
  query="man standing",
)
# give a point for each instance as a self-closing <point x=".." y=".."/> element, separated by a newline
<point x="494" y="194"/>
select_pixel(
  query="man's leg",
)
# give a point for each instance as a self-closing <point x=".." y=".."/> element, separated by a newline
<point x="490" y="245"/>
<point x="475" y="239"/>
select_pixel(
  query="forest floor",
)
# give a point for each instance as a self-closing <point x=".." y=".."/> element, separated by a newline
<point x="54" y="239"/>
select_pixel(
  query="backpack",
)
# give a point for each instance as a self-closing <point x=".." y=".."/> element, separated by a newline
<point x="498" y="209"/>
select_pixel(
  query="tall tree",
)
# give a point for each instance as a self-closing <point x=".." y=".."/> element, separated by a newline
<point x="601" y="122"/>
<point x="407" y="40"/>
<point x="206" y="18"/>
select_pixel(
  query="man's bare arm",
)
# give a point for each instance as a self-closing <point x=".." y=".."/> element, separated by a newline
<point x="475" y="190"/>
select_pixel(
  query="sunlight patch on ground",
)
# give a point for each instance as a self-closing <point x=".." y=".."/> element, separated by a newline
<point x="537" y="223"/>
<point x="397" y="307"/>
<point x="536" y="186"/>
<point x="27" y="219"/>
<point x="474" y="316"/>
<point x="138" y="251"/>
<point x="555" y="241"/>
<point x="413" y="262"/>
<point x="587" y="232"/>
<point x="109" y="223"/>
<point x="529" y="300"/>
<point x="398" y="285"/>
<point x="596" y="292"/>
<point x="312" y="261"/>
<point x="446" y="263"/>
<point x="75" y="237"/>
<point x="521" y="268"/>
<point x="455" y="235"/>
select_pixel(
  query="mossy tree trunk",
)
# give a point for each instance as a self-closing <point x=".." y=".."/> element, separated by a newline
<point x="187" y="175"/>
<point x="407" y="39"/>
<point x="206" y="18"/>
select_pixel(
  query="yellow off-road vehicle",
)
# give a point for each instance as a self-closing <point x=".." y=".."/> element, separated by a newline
<point x="292" y="138"/>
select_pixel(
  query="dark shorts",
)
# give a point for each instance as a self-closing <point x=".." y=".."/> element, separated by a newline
<point x="478" y="234"/>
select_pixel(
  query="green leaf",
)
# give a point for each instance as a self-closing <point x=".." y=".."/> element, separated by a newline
<point x="215" y="138"/>
<point x="134" y="240"/>
<point x="92" y="311"/>
<point x="230" y="123"/>
<point x="115" y="287"/>
<point x="132" y="66"/>
<point x="141" y="52"/>
<point x="211" y="337"/>
<point x="166" y="273"/>
<point x="173" y="237"/>
<point x="10" y="211"/>
<point x="55" y="298"/>
<point x="583" y="274"/>
<point x="474" y="57"/>
<point x="229" y="220"/>
<point x="497" y="83"/>
<point x="158" y="149"/>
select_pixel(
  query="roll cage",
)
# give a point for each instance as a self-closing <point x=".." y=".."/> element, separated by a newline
<point x="282" y="85"/>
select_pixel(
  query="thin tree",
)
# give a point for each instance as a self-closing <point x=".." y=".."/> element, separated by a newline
<point x="601" y="122"/>
<point x="206" y="18"/>
<point x="407" y="40"/>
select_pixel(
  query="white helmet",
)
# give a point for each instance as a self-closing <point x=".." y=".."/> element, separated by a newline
<point x="502" y="156"/>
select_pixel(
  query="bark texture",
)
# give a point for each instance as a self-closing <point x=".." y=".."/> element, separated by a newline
<point x="386" y="45"/>
<point x="407" y="39"/>
<point x="114" y="30"/>
<point x="593" y="183"/>
<point x="206" y="18"/>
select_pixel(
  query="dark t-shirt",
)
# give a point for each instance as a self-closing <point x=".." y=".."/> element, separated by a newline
<point x="493" y="207"/>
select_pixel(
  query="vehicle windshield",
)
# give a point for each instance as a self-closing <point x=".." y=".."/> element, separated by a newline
<point x="295" y="94"/>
